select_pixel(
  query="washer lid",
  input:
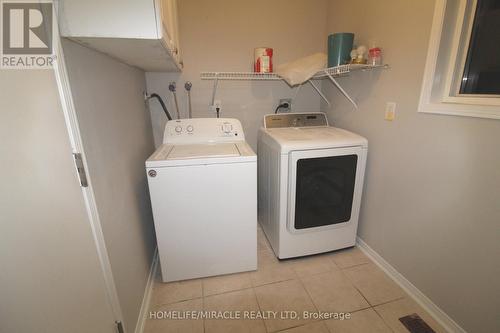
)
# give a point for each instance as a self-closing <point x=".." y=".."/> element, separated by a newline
<point x="180" y="152"/>
<point x="168" y="155"/>
<point x="304" y="138"/>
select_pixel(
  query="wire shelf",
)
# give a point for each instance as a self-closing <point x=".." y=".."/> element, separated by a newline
<point x="238" y="76"/>
<point x="327" y="73"/>
<point x="244" y="76"/>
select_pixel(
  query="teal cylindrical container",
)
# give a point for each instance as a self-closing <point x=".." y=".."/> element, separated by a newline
<point x="339" y="48"/>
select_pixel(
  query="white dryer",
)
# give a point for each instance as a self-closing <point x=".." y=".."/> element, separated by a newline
<point x="310" y="180"/>
<point x="203" y="188"/>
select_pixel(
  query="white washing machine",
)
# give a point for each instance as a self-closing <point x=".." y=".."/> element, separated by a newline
<point x="203" y="188"/>
<point x="310" y="179"/>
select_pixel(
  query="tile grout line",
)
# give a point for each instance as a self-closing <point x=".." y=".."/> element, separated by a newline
<point x="266" y="284"/>
<point x="372" y="307"/>
<point x="309" y="295"/>
<point x="203" y="304"/>
<point x="260" y="309"/>
<point x="356" y="265"/>
<point x="258" y="304"/>
<point x="358" y="290"/>
<point x="299" y="325"/>
<point x="380" y="316"/>
<point x="347" y="278"/>
<point x="392" y="300"/>
<point x="227" y="292"/>
<point x="314" y="322"/>
<point x="313" y="274"/>
<point x="371" y="262"/>
<point x="176" y="302"/>
<point x="203" y="308"/>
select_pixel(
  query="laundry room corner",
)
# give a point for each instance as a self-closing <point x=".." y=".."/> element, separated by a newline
<point x="221" y="36"/>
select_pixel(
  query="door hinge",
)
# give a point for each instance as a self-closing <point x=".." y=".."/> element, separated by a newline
<point x="119" y="326"/>
<point x="80" y="169"/>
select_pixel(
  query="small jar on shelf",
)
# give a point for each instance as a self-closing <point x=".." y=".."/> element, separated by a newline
<point x="375" y="56"/>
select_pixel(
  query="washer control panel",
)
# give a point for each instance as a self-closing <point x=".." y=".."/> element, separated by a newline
<point x="198" y="130"/>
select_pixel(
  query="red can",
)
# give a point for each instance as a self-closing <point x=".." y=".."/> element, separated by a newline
<point x="263" y="60"/>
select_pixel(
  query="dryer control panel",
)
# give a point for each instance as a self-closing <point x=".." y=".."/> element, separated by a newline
<point x="203" y="130"/>
<point x="295" y="120"/>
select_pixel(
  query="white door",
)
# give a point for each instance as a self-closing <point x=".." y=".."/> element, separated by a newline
<point x="116" y="151"/>
<point x="51" y="278"/>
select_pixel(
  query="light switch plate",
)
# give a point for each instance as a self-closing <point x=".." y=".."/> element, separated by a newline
<point x="390" y="111"/>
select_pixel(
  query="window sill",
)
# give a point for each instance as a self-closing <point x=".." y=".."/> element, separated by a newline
<point x="473" y="100"/>
<point x="465" y="110"/>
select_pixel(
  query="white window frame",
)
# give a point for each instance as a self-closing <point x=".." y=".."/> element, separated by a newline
<point x="446" y="56"/>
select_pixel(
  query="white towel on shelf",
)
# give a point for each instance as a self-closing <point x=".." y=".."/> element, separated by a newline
<point x="301" y="70"/>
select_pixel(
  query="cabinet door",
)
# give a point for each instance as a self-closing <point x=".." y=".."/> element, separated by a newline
<point x="170" y="25"/>
<point x="108" y="18"/>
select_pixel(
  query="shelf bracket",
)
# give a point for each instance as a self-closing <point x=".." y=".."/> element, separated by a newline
<point x="341" y="89"/>
<point x="319" y="92"/>
<point x="216" y="83"/>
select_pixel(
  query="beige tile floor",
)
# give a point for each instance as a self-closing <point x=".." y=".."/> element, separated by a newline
<point x="343" y="281"/>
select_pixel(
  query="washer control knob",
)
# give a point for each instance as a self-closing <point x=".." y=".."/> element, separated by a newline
<point x="178" y="129"/>
<point x="227" y="128"/>
<point x="190" y="128"/>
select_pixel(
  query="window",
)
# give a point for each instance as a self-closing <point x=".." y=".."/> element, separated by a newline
<point x="462" y="73"/>
<point x="481" y="73"/>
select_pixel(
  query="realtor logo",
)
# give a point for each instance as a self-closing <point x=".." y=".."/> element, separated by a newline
<point x="27" y="30"/>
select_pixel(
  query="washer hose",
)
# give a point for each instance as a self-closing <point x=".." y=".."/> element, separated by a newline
<point x="158" y="97"/>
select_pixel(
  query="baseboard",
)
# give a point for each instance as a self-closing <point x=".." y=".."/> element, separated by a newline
<point x="146" y="300"/>
<point x="439" y="315"/>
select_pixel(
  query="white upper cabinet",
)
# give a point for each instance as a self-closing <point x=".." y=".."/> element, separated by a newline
<point x="141" y="33"/>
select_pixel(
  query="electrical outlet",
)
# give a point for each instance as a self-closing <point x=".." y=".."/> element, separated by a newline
<point x="390" y="111"/>
<point x="285" y="100"/>
<point x="217" y="104"/>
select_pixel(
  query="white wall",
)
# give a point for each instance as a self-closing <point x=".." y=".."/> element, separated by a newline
<point x="220" y="35"/>
<point x="117" y="137"/>
<point x="432" y="192"/>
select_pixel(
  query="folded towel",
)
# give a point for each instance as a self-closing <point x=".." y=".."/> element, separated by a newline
<point x="301" y="70"/>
